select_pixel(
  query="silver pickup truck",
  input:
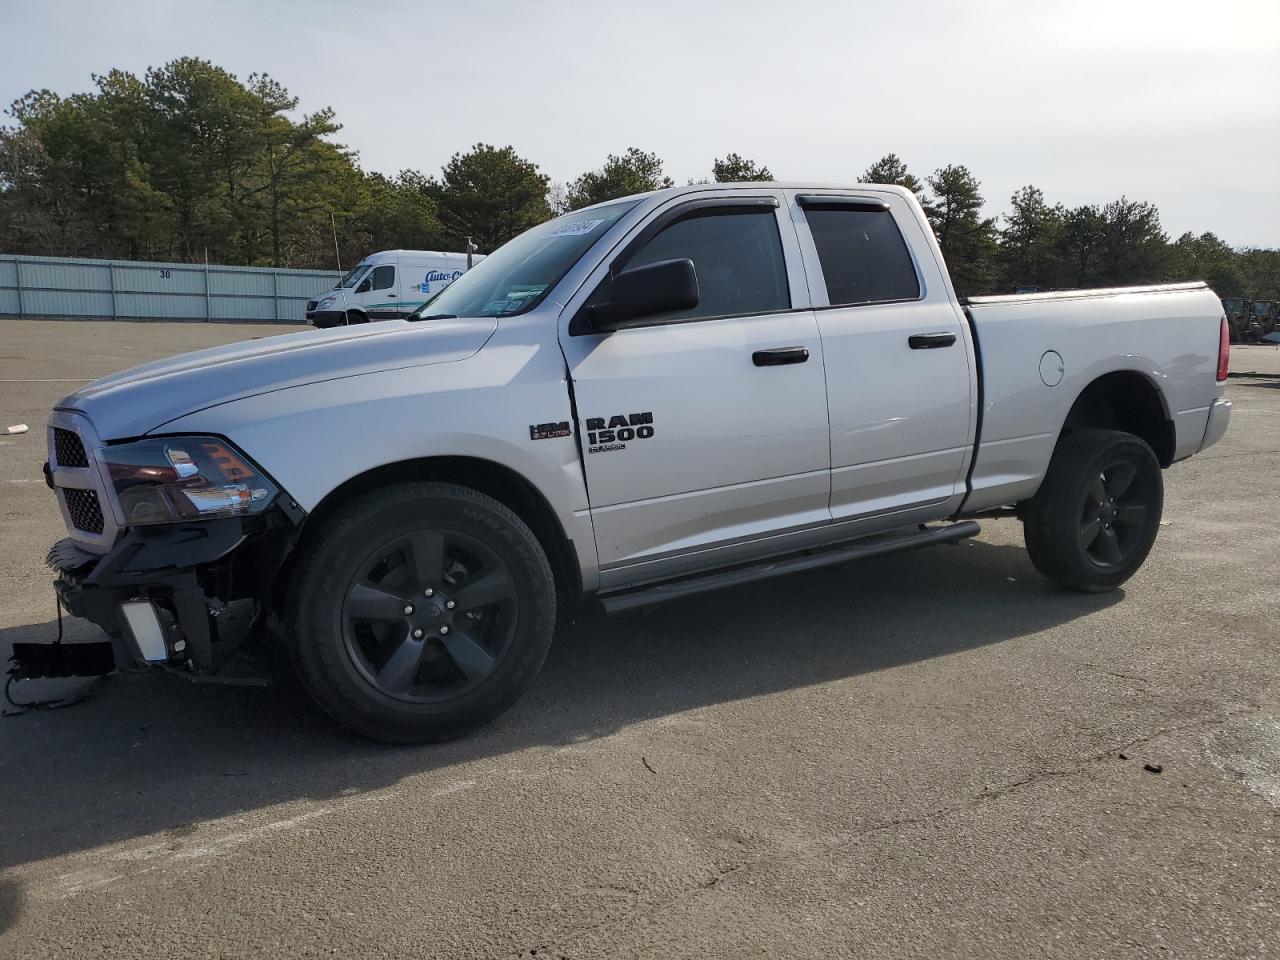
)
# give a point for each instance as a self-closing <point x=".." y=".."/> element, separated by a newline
<point x="660" y="395"/>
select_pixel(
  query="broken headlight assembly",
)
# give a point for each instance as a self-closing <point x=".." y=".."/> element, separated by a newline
<point x="177" y="479"/>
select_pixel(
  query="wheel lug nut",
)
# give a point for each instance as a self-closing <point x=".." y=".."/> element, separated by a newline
<point x="417" y="634"/>
<point x="428" y="592"/>
<point x="444" y="631"/>
<point x="449" y="605"/>
<point x="408" y="609"/>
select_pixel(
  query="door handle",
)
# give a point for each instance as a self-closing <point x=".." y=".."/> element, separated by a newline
<point x="930" y="341"/>
<point x="777" y="356"/>
<point x="391" y="296"/>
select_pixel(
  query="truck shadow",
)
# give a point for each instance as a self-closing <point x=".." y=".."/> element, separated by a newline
<point x="148" y="755"/>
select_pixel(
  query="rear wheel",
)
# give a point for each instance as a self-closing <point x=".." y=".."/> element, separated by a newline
<point x="421" y="611"/>
<point x="1096" y="516"/>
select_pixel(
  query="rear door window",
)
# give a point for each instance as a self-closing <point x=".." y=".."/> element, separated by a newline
<point x="863" y="255"/>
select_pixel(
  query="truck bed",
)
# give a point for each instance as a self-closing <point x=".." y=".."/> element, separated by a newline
<point x="1038" y="352"/>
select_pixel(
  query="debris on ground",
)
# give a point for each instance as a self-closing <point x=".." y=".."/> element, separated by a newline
<point x="1152" y="767"/>
<point x="19" y="428"/>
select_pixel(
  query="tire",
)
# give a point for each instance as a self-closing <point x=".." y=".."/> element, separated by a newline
<point x="1096" y="516"/>
<point x="400" y="622"/>
<point x="354" y="317"/>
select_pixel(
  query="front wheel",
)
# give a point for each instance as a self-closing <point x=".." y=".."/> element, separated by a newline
<point x="1095" y="517"/>
<point x="420" y="611"/>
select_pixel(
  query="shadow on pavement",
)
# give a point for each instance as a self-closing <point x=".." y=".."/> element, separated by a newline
<point x="149" y="754"/>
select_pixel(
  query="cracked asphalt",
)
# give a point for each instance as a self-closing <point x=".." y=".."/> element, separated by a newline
<point x="930" y="755"/>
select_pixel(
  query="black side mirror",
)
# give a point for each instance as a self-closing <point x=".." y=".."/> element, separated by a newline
<point x="645" y="291"/>
<point x="365" y="286"/>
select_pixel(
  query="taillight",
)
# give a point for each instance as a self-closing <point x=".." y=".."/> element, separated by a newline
<point x="1224" y="352"/>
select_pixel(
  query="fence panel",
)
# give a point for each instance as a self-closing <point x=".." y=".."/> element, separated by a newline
<point x="142" y="290"/>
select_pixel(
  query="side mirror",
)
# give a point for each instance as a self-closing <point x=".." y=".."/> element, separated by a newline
<point x="645" y="291"/>
<point x="365" y="286"/>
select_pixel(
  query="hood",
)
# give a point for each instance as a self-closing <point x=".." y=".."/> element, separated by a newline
<point x="143" y="399"/>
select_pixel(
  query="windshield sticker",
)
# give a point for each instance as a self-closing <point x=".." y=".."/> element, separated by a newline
<point x="576" y="229"/>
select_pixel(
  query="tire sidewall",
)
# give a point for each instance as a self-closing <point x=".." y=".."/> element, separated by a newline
<point x="318" y="642"/>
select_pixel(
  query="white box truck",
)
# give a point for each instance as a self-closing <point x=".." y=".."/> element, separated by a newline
<point x="386" y="286"/>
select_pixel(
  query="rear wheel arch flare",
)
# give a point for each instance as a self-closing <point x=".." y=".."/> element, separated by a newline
<point x="1129" y="401"/>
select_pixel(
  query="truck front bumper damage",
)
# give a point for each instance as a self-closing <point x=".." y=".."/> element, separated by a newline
<point x="160" y="593"/>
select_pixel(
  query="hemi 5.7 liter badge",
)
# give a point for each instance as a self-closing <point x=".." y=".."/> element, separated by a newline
<point x="613" y="434"/>
<point x="548" y="431"/>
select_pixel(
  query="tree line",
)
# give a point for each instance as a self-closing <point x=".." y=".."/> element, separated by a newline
<point x="188" y="163"/>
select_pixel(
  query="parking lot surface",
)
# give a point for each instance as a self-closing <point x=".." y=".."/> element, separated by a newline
<point x="930" y="755"/>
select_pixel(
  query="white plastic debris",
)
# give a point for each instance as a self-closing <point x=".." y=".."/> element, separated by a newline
<point x="18" y="428"/>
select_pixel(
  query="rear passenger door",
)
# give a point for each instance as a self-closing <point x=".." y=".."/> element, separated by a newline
<point x="900" y="388"/>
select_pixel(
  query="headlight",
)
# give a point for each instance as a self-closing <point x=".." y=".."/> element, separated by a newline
<point x="326" y="302"/>
<point x="172" y="479"/>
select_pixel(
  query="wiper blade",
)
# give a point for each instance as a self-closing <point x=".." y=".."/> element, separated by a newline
<point x="435" y="316"/>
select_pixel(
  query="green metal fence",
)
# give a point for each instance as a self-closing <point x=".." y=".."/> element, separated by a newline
<point x="138" y="290"/>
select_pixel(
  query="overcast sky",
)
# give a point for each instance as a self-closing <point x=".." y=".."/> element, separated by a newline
<point x="1173" y="102"/>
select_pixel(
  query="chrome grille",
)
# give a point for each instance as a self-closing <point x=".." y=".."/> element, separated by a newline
<point x="68" y="451"/>
<point x="85" y="510"/>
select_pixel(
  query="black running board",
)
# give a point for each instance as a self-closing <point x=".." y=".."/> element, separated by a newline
<point x="873" y="546"/>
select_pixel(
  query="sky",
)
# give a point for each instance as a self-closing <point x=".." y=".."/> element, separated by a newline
<point x="1173" y="102"/>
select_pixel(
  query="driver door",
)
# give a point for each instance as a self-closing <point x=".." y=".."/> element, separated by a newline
<point x="704" y="430"/>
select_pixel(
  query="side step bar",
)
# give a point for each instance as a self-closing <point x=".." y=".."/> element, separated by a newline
<point x="872" y="546"/>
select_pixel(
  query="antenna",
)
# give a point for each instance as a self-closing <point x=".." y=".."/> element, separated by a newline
<point x="336" y="254"/>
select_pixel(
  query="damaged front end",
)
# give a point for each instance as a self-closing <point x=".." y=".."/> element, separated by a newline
<point x="167" y="536"/>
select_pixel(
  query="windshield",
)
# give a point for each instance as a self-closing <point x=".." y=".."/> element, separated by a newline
<point x="352" y="278"/>
<point x="516" y="276"/>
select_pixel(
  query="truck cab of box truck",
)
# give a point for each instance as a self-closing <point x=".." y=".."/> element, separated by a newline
<point x="386" y="286"/>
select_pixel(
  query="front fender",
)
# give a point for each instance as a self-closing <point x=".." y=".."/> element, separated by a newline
<point x="312" y="439"/>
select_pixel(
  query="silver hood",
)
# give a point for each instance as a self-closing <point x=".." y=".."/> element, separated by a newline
<point x="143" y="399"/>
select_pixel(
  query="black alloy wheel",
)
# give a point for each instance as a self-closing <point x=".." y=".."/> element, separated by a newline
<point x="419" y="611"/>
<point x="430" y="615"/>
<point x="1114" y="515"/>
<point x="1097" y="512"/>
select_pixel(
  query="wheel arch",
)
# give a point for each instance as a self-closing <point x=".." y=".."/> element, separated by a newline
<point x="493" y="479"/>
<point x="1125" y="400"/>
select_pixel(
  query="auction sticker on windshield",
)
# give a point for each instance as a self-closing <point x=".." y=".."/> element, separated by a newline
<point x="576" y="229"/>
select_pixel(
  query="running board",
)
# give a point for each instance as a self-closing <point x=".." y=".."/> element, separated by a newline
<point x="872" y="546"/>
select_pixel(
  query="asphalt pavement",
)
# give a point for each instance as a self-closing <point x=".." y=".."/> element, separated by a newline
<point x="928" y="755"/>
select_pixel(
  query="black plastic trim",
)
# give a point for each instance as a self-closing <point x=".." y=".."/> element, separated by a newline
<point x="931" y="341"/>
<point x="816" y="201"/>
<point x="779" y="356"/>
